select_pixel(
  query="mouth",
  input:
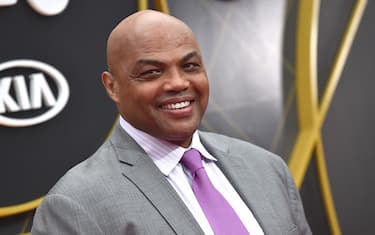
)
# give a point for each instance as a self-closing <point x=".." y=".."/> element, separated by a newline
<point x="177" y="105"/>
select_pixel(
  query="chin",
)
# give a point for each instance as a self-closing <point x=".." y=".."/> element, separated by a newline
<point x="179" y="131"/>
<point x="180" y="138"/>
<point x="184" y="131"/>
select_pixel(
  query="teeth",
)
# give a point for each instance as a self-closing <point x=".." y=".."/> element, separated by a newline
<point x="179" y="105"/>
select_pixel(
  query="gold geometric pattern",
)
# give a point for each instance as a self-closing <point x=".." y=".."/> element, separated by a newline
<point x="311" y="114"/>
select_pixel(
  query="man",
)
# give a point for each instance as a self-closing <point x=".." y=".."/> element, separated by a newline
<point x="138" y="182"/>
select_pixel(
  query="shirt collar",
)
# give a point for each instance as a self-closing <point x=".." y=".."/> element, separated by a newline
<point x="164" y="154"/>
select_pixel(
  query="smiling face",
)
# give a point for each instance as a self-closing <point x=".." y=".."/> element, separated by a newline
<point x="158" y="81"/>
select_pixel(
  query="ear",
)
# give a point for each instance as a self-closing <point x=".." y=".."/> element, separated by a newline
<point x="111" y="85"/>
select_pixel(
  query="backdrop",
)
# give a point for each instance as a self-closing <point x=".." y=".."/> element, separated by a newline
<point x="248" y="48"/>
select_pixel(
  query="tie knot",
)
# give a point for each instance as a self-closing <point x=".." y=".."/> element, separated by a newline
<point x="192" y="160"/>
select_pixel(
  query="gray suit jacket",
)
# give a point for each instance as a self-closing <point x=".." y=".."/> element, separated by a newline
<point x="119" y="190"/>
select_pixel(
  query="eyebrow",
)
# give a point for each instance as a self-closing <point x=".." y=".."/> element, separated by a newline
<point x="190" y="55"/>
<point x="158" y="63"/>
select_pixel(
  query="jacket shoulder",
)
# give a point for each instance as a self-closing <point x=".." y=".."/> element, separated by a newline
<point x="234" y="146"/>
<point x="88" y="174"/>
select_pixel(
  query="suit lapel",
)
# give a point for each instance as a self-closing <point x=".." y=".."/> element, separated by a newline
<point x="247" y="182"/>
<point x="140" y="169"/>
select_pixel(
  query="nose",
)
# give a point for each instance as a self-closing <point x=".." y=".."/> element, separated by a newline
<point x="176" y="81"/>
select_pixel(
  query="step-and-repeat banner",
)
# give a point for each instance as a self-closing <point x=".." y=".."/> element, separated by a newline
<point x="54" y="111"/>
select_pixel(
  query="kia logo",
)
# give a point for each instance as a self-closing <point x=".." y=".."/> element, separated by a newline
<point x="30" y="93"/>
<point x="43" y="7"/>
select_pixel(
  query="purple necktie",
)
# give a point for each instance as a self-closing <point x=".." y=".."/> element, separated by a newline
<point x="221" y="216"/>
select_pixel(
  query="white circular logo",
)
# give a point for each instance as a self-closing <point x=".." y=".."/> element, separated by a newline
<point x="43" y="7"/>
<point x="48" y="7"/>
<point x="39" y="93"/>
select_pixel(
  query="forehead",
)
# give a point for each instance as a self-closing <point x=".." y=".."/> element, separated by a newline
<point x="162" y="39"/>
<point x="163" y="46"/>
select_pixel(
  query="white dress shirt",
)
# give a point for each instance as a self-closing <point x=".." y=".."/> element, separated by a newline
<point x="166" y="157"/>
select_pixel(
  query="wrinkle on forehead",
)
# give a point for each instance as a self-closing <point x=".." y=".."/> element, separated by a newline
<point x="146" y="29"/>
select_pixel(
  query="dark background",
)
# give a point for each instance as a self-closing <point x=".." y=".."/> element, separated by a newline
<point x="248" y="48"/>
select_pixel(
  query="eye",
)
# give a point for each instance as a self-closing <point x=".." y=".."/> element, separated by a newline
<point x="191" y="67"/>
<point x="150" y="74"/>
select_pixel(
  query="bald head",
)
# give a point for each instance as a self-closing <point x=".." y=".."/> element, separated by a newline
<point x="155" y="65"/>
<point x="142" y="29"/>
